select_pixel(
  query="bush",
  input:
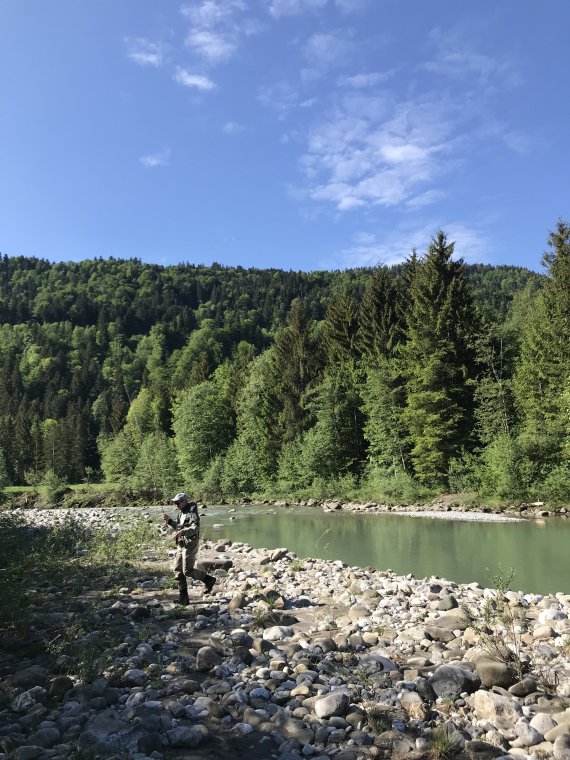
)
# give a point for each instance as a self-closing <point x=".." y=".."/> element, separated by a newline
<point x="393" y="487"/>
<point x="556" y="486"/>
<point x="53" y="487"/>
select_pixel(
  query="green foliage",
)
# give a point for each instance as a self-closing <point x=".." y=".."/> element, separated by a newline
<point x="156" y="468"/>
<point x="393" y="487"/>
<point x="515" y="468"/>
<point x="52" y="487"/>
<point x="501" y="624"/>
<point x="119" y="455"/>
<point x="4" y="476"/>
<point x="556" y="486"/>
<point x="335" y="446"/>
<point x="438" y="361"/>
<point x="204" y="426"/>
<point x="307" y="379"/>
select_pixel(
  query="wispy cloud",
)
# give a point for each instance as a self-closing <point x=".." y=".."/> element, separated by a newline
<point x="210" y="45"/>
<point x="366" y="155"/>
<point x="232" y="128"/>
<point x="279" y="8"/>
<point x="144" y="52"/>
<point x="368" y="249"/>
<point x="352" y="6"/>
<point x="282" y="97"/>
<point x="162" y="158"/>
<point x="368" y="79"/>
<point x="456" y="57"/>
<point x="217" y="27"/>
<point x="323" y="50"/>
<point x="197" y="81"/>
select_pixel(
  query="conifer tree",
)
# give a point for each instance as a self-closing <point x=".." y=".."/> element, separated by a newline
<point x="295" y="366"/>
<point x="544" y="364"/>
<point x="438" y="362"/>
<point x="383" y="389"/>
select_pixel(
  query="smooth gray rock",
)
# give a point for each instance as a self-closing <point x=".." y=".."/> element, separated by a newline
<point x="335" y="703"/>
<point x="450" y="680"/>
<point x="500" y="710"/>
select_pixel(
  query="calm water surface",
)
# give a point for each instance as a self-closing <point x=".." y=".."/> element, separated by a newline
<point x="458" y="550"/>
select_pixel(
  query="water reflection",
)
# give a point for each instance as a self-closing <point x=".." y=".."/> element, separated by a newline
<point x="458" y="550"/>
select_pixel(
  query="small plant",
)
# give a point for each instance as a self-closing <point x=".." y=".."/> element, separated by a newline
<point x="89" y="653"/>
<point x="442" y="744"/>
<point x="499" y="624"/>
<point x="378" y="720"/>
<point x="325" y="546"/>
<point x="297" y="565"/>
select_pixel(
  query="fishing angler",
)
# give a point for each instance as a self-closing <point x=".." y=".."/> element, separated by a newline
<point x="186" y="529"/>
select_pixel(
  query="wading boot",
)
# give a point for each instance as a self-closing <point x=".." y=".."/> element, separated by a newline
<point x="209" y="582"/>
<point x="183" y="597"/>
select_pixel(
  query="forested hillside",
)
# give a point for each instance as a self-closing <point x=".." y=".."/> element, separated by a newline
<point x="226" y="381"/>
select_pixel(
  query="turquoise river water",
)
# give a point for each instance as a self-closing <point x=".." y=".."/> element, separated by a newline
<point x="463" y="551"/>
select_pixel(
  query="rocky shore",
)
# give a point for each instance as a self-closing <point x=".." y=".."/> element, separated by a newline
<point x="291" y="658"/>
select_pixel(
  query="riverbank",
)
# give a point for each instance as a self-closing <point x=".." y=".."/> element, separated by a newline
<point x="288" y="658"/>
<point x="446" y="508"/>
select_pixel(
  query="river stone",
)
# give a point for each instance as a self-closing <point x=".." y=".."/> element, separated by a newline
<point x="32" y="676"/>
<point x="134" y="677"/>
<point x="494" y="672"/>
<point x="542" y="722"/>
<point x="30" y="752"/>
<point x="478" y="750"/>
<point x="358" y="611"/>
<point x="447" y="602"/>
<point x="237" y="602"/>
<point x="45" y="737"/>
<point x="562" y="729"/>
<point x="59" y="686"/>
<point x="523" y="688"/>
<point x="527" y="736"/>
<point x="562" y="747"/>
<point x="186" y="736"/>
<point x="277" y="633"/>
<point x="27" y="699"/>
<point x="501" y="711"/>
<point x="450" y="680"/>
<point x="206" y="659"/>
<point x="335" y="703"/>
<point x="439" y="634"/>
<point x="288" y="727"/>
<point x="413" y="705"/>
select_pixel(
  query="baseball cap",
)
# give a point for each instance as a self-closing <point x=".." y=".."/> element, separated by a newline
<point x="180" y="497"/>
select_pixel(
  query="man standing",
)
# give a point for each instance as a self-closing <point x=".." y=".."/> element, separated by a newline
<point x="187" y="534"/>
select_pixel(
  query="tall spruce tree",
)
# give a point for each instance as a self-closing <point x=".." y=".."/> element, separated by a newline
<point x="296" y="364"/>
<point x="544" y="364"/>
<point x="383" y="394"/>
<point x="439" y="362"/>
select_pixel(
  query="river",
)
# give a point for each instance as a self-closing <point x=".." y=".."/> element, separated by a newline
<point x="536" y="551"/>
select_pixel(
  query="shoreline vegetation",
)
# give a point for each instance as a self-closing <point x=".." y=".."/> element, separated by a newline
<point x="445" y="505"/>
<point x="385" y="384"/>
<point x="291" y="657"/>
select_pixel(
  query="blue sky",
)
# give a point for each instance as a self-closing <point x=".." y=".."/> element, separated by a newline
<point x="298" y="134"/>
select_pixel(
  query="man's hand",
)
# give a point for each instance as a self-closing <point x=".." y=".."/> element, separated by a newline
<point x="177" y="534"/>
<point x="165" y="517"/>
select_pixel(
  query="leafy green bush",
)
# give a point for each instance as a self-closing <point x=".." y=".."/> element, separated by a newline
<point x="53" y="487"/>
<point x="393" y="487"/>
<point x="556" y="486"/>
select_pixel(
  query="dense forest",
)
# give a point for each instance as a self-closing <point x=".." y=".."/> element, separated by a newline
<point x="384" y="383"/>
